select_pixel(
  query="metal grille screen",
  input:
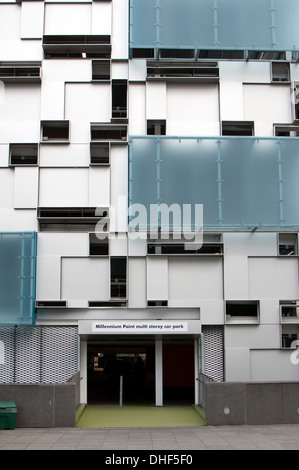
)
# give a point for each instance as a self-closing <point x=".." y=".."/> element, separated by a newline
<point x="38" y="354"/>
<point x="213" y="352"/>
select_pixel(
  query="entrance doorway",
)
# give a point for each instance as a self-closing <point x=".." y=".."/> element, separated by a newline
<point x="178" y="374"/>
<point x="107" y="363"/>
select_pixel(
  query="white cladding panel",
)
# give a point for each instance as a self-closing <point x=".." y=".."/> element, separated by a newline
<point x="272" y="366"/>
<point x="10" y="22"/>
<point x="193" y="279"/>
<point x="119" y="188"/>
<point x="137" y="70"/>
<point x="273" y="278"/>
<point x="99" y="186"/>
<point x="32" y="22"/>
<point x="137" y="109"/>
<point x="63" y="18"/>
<point x="52" y="100"/>
<point x="85" y="279"/>
<point x="20" y="113"/>
<point x="231" y="101"/>
<point x="62" y="244"/>
<point x="246" y="72"/>
<point x="156" y="102"/>
<point x="235" y="277"/>
<point x="101" y="18"/>
<point x="137" y="282"/>
<point x="253" y="337"/>
<point x="26" y="188"/>
<point x="265" y="105"/>
<point x="192" y="110"/>
<point x="64" y="187"/>
<point x="4" y="154"/>
<point x="120" y="29"/>
<point x="48" y="268"/>
<point x="86" y="103"/>
<point x="157" y="278"/>
<point x="237" y="365"/>
<point x="64" y="155"/>
<point x="250" y="244"/>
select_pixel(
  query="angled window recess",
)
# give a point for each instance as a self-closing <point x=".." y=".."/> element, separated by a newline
<point x="244" y="312"/>
<point x="287" y="244"/>
<point x="72" y="218"/>
<point x="177" y="53"/>
<point x="108" y="132"/>
<point x="280" y="72"/>
<point x="156" y="127"/>
<point x="26" y="72"/>
<point x="99" y="153"/>
<point x="119" y="99"/>
<point x="118" y="277"/>
<point x="98" y="244"/>
<point x="55" y="131"/>
<point x="244" y="128"/>
<point x="289" y="310"/>
<point x="286" y="130"/>
<point x="23" y="154"/>
<point x="100" y="70"/>
<point x="77" y="47"/>
<point x="183" y="71"/>
<point x="51" y="304"/>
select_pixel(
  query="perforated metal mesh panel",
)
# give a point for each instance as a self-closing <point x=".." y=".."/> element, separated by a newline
<point x="213" y="352"/>
<point x="38" y="354"/>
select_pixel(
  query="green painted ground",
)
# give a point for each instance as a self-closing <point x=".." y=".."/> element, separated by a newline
<point x="138" y="416"/>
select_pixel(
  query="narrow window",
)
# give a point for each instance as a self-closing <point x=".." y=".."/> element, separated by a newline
<point x="119" y="99"/>
<point x="118" y="277"/>
<point x="108" y="132"/>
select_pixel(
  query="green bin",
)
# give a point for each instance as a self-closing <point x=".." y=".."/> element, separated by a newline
<point x="8" y="414"/>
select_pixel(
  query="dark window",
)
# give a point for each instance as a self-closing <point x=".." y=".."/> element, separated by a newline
<point x="23" y="154"/>
<point x="287" y="244"/>
<point x="119" y="99"/>
<point x="101" y="69"/>
<point x="237" y="128"/>
<point x="108" y="132"/>
<point x="280" y="72"/>
<point x="242" y="309"/>
<point x="97" y="245"/>
<point x="118" y="277"/>
<point x="156" y="127"/>
<point x="99" y="153"/>
<point x="55" y="131"/>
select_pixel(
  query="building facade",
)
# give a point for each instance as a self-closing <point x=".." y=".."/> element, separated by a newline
<point x="148" y="166"/>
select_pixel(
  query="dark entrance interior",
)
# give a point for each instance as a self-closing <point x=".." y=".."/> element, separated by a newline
<point x="178" y="373"/>
<point x="135" y="363"/>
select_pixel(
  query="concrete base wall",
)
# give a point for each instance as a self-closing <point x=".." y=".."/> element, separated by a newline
<point x="42" y="405"/>
<point x="251" y="403"/>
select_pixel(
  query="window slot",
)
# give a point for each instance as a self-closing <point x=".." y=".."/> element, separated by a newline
<point x="55" y="131"/>
<point x="108" y="132"/>
<point x="287" y="244"/>
<point x="176" y="53"/>
<point x="231" y="128"/>
<point x="98" y="246"/>
<point x="11" y="72"/>
<point x="142" y="53"/>
<point x="184" y="249"/>
<point x="51" y="304"/>
<point x="288" y="339"/>
<point x="157" y="303"/>
<point x="23" y="154"/>
<point x="156" y="127"/>
<point x="118" y="277"/>
<point x="101" y="70"/>
<point x="72" y="46"/>
<point x="99" y="153"/>
<point x="280" y="72"/>
<point x="107" y="304"/>
<point x="119" y="99"/>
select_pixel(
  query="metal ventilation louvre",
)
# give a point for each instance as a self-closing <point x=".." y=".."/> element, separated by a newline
<point x="38" y="354"/>
<point x="213" y="352"/>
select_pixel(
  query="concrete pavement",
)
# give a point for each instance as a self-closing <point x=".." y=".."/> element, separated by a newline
<point x="267" y="437"/>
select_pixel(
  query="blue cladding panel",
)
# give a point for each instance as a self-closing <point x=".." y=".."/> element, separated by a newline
<point x="215" y="24"/>
<point x="17" y="278"/>
<point x="242" y="182"/>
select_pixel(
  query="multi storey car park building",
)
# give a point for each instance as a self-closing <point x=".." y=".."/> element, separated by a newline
<point x="109" y="111"/>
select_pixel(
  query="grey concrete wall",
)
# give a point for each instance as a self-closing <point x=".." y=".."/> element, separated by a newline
<point x="42" y="405"/>
<point x="231" y="403"/>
